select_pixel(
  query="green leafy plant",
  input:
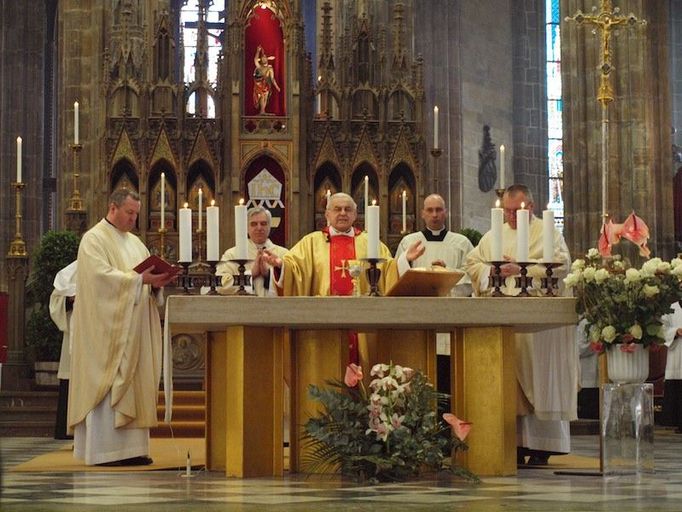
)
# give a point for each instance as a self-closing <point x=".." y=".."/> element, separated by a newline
<point x="472" y="234"/>
<point x="56" y="250"/>
<point x="390" y="433"/>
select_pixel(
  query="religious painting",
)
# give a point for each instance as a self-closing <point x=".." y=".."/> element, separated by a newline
<point x="266" y="187"/>
<point x="264" y="66"/>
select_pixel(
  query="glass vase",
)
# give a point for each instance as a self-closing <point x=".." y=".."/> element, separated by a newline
<point x="628" y="367"/>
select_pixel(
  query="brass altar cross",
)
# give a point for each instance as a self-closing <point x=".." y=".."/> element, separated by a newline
<point x="608" y="19"/>
<point x="343" y="268"/>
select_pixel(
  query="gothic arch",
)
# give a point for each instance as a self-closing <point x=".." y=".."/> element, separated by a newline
<point x="357" y="185"/>
<point x="154" y="196"/>
<point x="265" y="184"/>
<point x="124" y="174"/>
<point x="402" y="178"/>
<point x="327" y="178"/>
<point x="364" y="102"/>
<point x="401" y="106"/>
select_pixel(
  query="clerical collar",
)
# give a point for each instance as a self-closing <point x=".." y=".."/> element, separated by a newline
<point x="336" y="232"/>
<point x="435" y="236"/>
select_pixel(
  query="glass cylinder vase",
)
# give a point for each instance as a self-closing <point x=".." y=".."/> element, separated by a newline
<point x="628" y="367"/>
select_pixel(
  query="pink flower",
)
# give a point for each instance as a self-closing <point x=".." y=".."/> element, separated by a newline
<point x="610" y="235"/>
<point x="627" y="338"/>
<point x="353" y="375"/>
<point x="636" y="230"/>
<point x="597" y="346"/>
<point x="460" y="428"/>
<point x="627" y="347"/>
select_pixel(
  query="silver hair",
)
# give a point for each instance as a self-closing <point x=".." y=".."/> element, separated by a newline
<point x="259" y="209"/>
<point x="341" y="195"/>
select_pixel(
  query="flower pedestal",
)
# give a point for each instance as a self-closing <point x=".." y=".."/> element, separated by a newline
<point x="628" y="367"/>
<point x="627" y="427"/>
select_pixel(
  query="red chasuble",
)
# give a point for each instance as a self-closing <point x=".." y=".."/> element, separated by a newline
<point x="341" y="252"/>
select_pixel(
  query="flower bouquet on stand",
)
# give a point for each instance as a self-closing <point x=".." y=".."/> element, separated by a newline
<point x="389" y="432"/>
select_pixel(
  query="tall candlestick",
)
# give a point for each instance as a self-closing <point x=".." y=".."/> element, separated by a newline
<point x="327" y="195"/>
<point x="404" y="211"/>
<point x="201" y="204"/>
<point x="366" y="192"/>
<point x="502" y="166"/>
<point x="212" y="232"/>
<point x="185" y="220"/>
<point x="548" y="235"/>
<point x="240" y="231"/>
<point x="75" y="122"/>
<point x="496" y="221"/>
<point x="522" y="234"/>
<point x="163" y="200"/>
<point x="372" y="223"/>
<point x="18" y="159"/>
<point x="435" y="127"/>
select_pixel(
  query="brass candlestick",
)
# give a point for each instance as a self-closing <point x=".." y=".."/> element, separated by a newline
<point x="435" y="153"/>
<point x="200" y="238"/>
<point x="373" y="275"/>
<point x="162" y="242"/>
<point x="500" y="193"/>
<point x="17" y="248"/>
<point x="184" y="278"/>
<point x="75" y="203"/>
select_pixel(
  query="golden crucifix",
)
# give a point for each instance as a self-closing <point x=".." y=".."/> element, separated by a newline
<point x="606" y="20"/>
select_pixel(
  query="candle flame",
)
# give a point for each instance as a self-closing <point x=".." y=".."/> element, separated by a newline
<point x="497" y="203"/>
<point x="212" y="202"/>
<point x="374" y="202"/>
<point x="366" y="178"/>
<point x="404" y="193"/>
<point x="201" y="191"/>
<point x="241" y="201"/>
<point x="163" y="175"/>
<point x="186" y="205"/>
<point x="523" y="205"/>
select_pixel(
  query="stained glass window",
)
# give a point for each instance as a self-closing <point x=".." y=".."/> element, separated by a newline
<point x="555" y="171"/>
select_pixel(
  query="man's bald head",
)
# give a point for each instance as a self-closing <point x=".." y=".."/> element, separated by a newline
<point x="434" y="212"/>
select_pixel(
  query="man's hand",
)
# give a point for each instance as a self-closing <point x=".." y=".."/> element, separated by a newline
<point x="271" y="259"/>
<point x="260" y="266"/>
<point x="508" y="269"/>
<point x="156" y="280"/>
<point x="414" y="251"/>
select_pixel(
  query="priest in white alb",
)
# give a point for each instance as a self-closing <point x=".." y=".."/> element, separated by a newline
<point x="547" y="361"/>
<point x="116" y="341"/>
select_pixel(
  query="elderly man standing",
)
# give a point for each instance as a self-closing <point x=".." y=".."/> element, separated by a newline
<point x="116" y="341"/>
<point x="259" y="221"/>
<point x="547" y="361"/>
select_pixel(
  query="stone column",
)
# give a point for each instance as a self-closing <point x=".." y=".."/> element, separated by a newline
<point x="16" y="371"/>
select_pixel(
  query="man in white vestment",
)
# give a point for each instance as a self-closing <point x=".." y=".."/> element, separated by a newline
<point x="259" y="221"/>
<point x="547" y="361"/>
<point x="672" y="393"/>
<point x="61" y="307"/>
<point x="116" y="341"/>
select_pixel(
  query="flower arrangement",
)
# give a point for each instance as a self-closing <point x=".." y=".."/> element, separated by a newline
<point x="388" y="433"/>
<point x="623" y="305"/>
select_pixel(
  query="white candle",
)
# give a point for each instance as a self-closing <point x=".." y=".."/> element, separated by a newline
<point x="18" y="159"/>
<point x="163" y="199"/>
<point x="212" y="232"/>
<point x="548" y="235"/>
<point x="496" y="221"/>
<point x="366" y="192"/>
<point x="435" y="127"/>
<point x="240" y="231"/>
<point x="185" y="220"/>
<point x="522" y="234"/>
<point x="327" y="195"/>
<point x="201" y="204"/>
<point x="372" y="223"/>
<point x="404" y="211"/>
<point x="502" y="166"/>
<point x="75" y="122"/>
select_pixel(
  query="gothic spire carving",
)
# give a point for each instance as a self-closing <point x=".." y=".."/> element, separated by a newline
<point x="399" y="66"/>
<point x="127" y="52"/>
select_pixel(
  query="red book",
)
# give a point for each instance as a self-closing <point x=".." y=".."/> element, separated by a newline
<point x="160" y="265"/>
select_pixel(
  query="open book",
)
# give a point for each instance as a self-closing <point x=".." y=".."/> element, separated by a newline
<point x="425" y="282"/>
<point x="161" y="266"/>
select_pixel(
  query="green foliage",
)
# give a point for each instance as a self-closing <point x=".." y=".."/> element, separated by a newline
<point x="389" y="435"/>
<point x="472" y="234"/>
<point x="56" y="250"/>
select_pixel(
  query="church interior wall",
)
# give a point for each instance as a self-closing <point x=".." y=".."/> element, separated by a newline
<point x="676" y="70"/>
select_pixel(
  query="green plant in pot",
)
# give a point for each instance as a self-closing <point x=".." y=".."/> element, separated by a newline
<point x="56" y="250"/>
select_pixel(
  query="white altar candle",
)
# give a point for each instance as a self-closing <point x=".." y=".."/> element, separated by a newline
<point x="366" y="192"/>
<point x="240" y="231"/>
<point x="18" y="159"/>
<point x="201" y="204"/>
<point x="163" y="200"/>
<point x="522" y="234"/>
<point x="435" y="127"/>
<point x="212" y="232"/>
<point x="404" y="211"/>
<point x="185" y="220"/>
<point x="372" y="223"/>
<point x="502" y="166"/>
<point x="327" y="195"/>
<point x="496" y="221"/>
<point x="548" y="235"/>
<point x="75" y="122"/>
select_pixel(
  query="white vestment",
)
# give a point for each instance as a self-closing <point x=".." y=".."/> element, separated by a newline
<point x="547" y="361"/>
<point x="451" y="248"/>
<point x="262" y="286"/>
<point x="116" y="349"/>
<point x="64" y="287"/>
<point x="673" y="362"/>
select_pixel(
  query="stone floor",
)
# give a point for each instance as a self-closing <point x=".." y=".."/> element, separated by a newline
<point x="531" y="489"/>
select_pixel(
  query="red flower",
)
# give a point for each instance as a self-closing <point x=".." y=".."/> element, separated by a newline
<point x="353" y="375"/>
<point x="636" y="230"/>
<point x="460" y="428"/>
<point x="627" y="347"/>
<point x="597" y="346"/>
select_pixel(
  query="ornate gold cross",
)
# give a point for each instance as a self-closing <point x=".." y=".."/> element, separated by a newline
<point x="343" y="268"/>
<point x="608" y="19"/>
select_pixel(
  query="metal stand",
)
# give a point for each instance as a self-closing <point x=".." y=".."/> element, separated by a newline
<point x="435" y="153"/>
<point x="241" y="279"/>
<point x="524" y="281"/>
<point x="162" y="242"/>
<point x="213" y="280"/>
<point x="184" y="279"/>
<point x="373" y="275"/>
<point x="496" y="280"/>
<point x="550" y="283"/>
<point x="500" y="193"/>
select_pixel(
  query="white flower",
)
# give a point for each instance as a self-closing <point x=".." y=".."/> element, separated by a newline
<point x="632" y="275"/>
<point x="676" y="262"/>
<point x="650" y="291"/>
<point x="572" y="279"/>
<point x="578" y="265"/>
<point x="378" y="370"/>
<point x="588" y="274"/>
<point x="663" y="267"/>
<point x="601" y="275"/>
<point x="618" y="265"/>
<point x="636" y="331"/>
<point x="608" y="333"/>
<point x="595" y="333"/>
<point x="677" y="271"/>
<point x="649" y="268"/>
<point x="592" y="253"/>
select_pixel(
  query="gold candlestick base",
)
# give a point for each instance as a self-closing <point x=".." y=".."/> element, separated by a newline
<point x="75" y="203"/>
<point x="17" y="248"/>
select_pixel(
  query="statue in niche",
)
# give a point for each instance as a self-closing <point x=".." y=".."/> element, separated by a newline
<point x="487" y="170"/>
<point x="263" y="80"/>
